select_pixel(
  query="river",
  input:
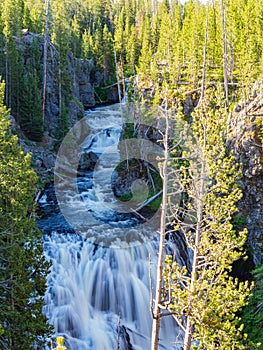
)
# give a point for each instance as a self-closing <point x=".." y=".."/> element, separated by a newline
<point x="102" y="255"/>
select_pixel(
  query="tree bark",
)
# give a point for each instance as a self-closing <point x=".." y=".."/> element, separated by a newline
<point x="7" y="82"/>
<point x="204" y="61"/>
<point x="225" y="62"/>
<point x="159" y="276"/>
<point x="198" y="233"/>
<point x="149" y="200"/>
<point x="45" y="60"/>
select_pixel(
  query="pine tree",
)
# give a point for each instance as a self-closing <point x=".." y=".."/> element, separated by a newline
<point x="87" y="45"/>
<point x="205" y="299"/>
<point x="214" y="43"/>
<point x="36" y="10"/>
<point x="30" y="112"/>
<point x="252" y="315"/>
<point x="108" y="55"/>
<point x="132" y="52"/>
<point x="23" y="267"/>
<point x="193" y="30"/>
<point x="176" y="52"/>
<point x="145" y="59"/>
<point x="30" y="115"/>
<point x="156" y="312"/>
<point x="75" y="36"/>
<point x="119" y="39"/>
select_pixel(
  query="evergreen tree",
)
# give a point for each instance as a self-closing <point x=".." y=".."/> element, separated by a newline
<point x="145" y="59"/>
<point x="205" y="299"/>
<point x="108" y="55"/>
<point x="30" y="115"/>
<point x="23" y="267"/>
<point x="97" y="48"/>
<point x="75" y="37"/>
<point x="36" y="10"/>
<point x="252" y="316"/>
<point x="119" y="37"/>
<point x="132" y="52"/>
<point x="30" y="111"/>
<point x="192" y="47"/>
<point x="214" y="44"/>
<point x="87" y="45"/>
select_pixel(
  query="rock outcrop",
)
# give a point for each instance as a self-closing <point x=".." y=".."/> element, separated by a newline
<point x="79" y="84"/>
<point x="245" y="136"/>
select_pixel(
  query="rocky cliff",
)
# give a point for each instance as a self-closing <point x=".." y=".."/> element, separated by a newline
<point x="80" y="78"/>
<point x="80" y="85"/>
<point x="246" y="138"/>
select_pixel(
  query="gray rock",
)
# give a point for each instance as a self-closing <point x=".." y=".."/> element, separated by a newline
<point x="113" y="95"/>
<point x="244" y="140"/>
<point x="38" y="162"/>
<point x="188" y="106"/>
<point x="49" y="160"/>
<point x="86" y="93"/>
<point x="79" y="80"/>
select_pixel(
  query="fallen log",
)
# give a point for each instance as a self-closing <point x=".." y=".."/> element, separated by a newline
<point x="148" y="201"/>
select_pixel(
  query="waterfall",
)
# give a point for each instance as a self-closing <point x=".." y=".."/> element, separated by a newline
<point x="98" y="294"/>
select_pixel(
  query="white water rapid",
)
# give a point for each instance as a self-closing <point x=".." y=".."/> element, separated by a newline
<point x="98" y="293"/>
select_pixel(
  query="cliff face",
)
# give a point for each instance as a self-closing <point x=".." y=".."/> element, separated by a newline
<point x="246" y="138"/>
<point x="79" y="86"/>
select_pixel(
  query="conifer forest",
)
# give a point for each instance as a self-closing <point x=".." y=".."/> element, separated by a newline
<point x="131" y="174"/>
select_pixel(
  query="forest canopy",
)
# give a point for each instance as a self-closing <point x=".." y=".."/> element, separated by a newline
<point x="158" y="41"/>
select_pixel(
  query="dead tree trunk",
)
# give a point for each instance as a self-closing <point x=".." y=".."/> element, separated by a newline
<point x="45" y="60"/>
<point x="159" y="276"/>
<point x="204" y="59"/>
<point x="199" y="218"/>
<point x="225" y="61"/>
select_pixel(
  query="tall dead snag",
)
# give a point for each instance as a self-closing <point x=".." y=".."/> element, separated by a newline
<point x="46" y="40"/>
<point x="156" y="312"/>
<point x="225" y="60"/>
<point x="199" y="188"/>
<point x="204" y="59"/>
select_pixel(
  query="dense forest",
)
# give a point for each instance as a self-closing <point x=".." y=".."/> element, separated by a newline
<point x="159" y="42"/>
<point x="199" y="61"/>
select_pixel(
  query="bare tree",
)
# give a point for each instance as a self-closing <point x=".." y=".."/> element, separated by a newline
<point x="156" y="312"/>
<point x="173" y="126"/>
<point x="204" y="59"/>
<point x="46" y="41"/>
<point x="199" y="188"/>
<point x="225" y="59"/>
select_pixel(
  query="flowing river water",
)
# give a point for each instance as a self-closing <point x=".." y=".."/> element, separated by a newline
<point x="98" y="294"/>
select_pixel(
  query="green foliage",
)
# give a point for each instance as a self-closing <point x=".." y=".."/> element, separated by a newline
<point x="62" y="126"/>
<point x="239" y="222"/>
<point x="160" y="41"/>
<point x="252" y="316"/>
<point x="23" y="266"/>
<point x="128" y="131"/>
<point x="207" y="297"/>
<point x="101" y="94"/>
<point x="259" y="126"/>
<point x="30" y="109"/>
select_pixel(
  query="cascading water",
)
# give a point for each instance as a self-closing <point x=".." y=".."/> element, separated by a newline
<point x="98" y="294"/>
